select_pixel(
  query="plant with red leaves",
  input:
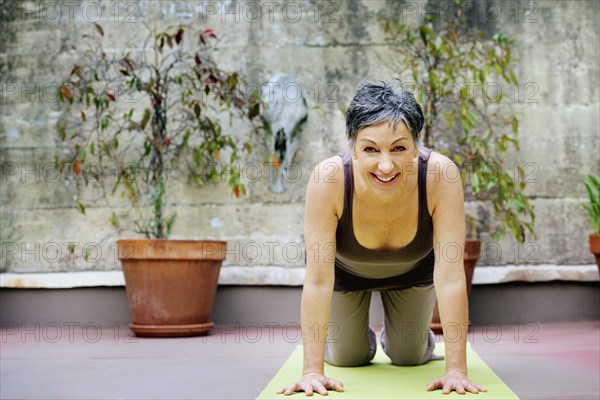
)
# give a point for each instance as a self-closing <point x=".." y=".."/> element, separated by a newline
<point x="180" y="95"/>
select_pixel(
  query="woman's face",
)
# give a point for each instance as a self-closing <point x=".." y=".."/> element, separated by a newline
<point x="385" y="157"/>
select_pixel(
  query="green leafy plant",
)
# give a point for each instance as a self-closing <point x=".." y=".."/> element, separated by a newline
<point x="592" y="186"/>
<point x="137" y="118"/>
<point x="447" y="63"/>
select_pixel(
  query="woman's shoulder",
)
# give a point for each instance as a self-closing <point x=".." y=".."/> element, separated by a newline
<point x="326" y="184"/>
<point x="328" y="172"/>
<point x="443" y="177"/>
<point x="437" y="157"/>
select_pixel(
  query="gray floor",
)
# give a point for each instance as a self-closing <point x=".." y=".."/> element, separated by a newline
<point x="538" y="361"/>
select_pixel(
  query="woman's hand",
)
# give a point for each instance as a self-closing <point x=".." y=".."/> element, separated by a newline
<point x="457" y="381"/>
<point x="312" y="382"/>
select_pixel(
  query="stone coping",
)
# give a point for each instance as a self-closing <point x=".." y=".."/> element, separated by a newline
<point x="281" y="276"/>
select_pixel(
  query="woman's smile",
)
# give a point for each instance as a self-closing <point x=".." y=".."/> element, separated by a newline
<point x="385" y="180"/>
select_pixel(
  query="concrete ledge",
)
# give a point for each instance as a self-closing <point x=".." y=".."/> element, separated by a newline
<point x="280" y="276"/>
<point x="535" y="273"/>
<point x="228" y="276"/>
<point x="505" y="303"/>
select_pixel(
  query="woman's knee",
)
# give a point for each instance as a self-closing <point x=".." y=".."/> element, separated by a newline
<point x="406" y="358"/>
<point x="348" y="357"/>
<point x="341" y="354"/>
<point x="348" y="360"/>
<point x="403" y="352"/>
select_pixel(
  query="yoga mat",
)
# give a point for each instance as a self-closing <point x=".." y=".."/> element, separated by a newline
<point x="382" y="380"/>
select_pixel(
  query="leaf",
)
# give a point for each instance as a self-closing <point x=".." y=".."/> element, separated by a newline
<point x="411" y="37"/>
<point x="475" y="183"/>
<point x="425" y="31"/>
<point x="59" y="164"/>
<point x="179" y="36"/>
<point x="77" y="167"/>
<point x="520" y="204"/>
<point x="64" y="90"/>
<point x="99" y="29"/>
<point x="515" y="126"/>
<point x="433" y="78"/>
<point x="212" y="79"/>
<point x="83" y="118"/>
<point x="254" y="111"/>
<point x="62" y="133"/>
<point x="170" y="221"/>
<point x="75" y="71"/>
<point x="209" y="33"/>
<point x="81" y="208"/>
<point x="116" y="185"/>
<point x="145" y="118"/>
<point x="114" y="221"/>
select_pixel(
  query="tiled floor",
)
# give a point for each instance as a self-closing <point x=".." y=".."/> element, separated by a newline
<point x="538" y="361"/>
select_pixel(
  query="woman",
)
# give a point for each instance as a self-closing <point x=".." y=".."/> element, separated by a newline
<point x="374" y="216"/>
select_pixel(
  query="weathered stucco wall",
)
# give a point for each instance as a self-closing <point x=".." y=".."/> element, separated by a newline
<point x="330" y="46"/>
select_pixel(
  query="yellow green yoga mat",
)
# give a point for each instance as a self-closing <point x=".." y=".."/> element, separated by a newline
<point x="382" y="380"/>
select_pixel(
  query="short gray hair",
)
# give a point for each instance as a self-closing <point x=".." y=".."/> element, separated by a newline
<point x="376" y="102"/>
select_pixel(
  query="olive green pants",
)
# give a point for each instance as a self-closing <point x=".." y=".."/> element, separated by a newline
<point x="406" y="337"/>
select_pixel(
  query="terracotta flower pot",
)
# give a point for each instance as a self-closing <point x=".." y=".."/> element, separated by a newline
<point x="595" y="247"/>
<point x="171" y="284"/>
<point x="472" y="251"/>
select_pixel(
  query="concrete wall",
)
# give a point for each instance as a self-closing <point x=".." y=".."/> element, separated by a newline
<point x="330" y="46"/>
<point x="511" y="303"/>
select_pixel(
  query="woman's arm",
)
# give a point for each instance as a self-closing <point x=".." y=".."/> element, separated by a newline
<point x="449" y="276"/>
<point x="320" y="224"/>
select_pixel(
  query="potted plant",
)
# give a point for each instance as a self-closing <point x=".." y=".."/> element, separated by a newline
<point x="592" y="185"/>
<point x="134" y="120"/>
<point x="453" y="67"/>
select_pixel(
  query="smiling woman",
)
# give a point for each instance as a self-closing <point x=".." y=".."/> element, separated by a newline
<point x="384" y="155"/>
<point x="384" y="210"/>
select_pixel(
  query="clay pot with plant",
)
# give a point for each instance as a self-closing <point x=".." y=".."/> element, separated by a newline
<point x="592" y="186"/>
<point x="167" y="126"/>
<point x="450" y="63"/>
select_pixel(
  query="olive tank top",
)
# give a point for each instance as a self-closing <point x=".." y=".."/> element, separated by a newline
<point x="358" y="268"/>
